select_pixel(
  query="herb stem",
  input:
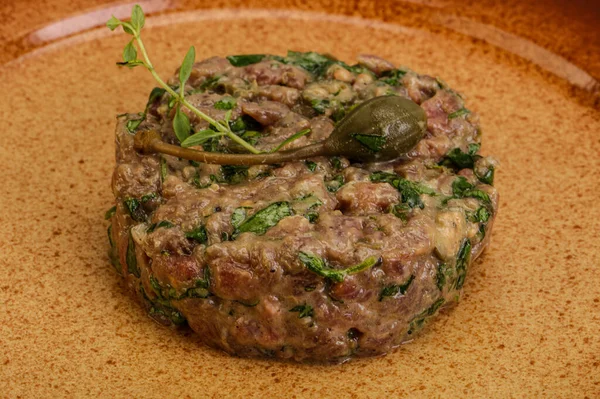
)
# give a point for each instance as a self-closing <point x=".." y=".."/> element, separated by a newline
<point x="219" y="126"/>
<point x="149" y="141"/>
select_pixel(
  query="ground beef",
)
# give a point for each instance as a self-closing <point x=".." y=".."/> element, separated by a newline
<point x="192" y="242"/>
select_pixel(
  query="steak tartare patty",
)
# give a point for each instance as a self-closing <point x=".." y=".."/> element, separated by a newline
<point x="315" y="260"/>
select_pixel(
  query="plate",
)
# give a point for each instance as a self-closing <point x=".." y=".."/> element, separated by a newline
<point x="528" y="323"/>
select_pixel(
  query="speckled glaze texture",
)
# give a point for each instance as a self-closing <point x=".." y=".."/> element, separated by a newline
<point x="527" y="325"/>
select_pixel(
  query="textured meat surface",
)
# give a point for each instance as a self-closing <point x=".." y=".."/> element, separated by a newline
<point x="184" y="235"/>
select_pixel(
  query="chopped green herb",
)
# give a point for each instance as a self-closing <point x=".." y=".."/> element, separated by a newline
<point x="233" y="174"/>
<point x="393" y="77"/>
<point x="421" y="317"/>
<point x="133" y="124"/>
<point x="132" y="266"/>
<point x="457" y="160"/>
<point x="401" y="211"/>
<point x="461" y="188"/>
<point x="264" y="219"/>
<point x="336" y="163"/>
<point x="245" y="59"/>
<point x="310" y="288"/>
<point x="209" y="83"/>
<point x="251" y="136"/>
<point x="198" y="234"/>
<point x="148" y="197"/>
<point x="318" y="265"/>
<point x="311" y="165"/>
<point x="442" y="275"/>
<point x="371" y="142"/>
<point x="395" y="289"/>
<point x="462" y="262"/>
<point x="312" y="62"/>
<point x="334" y="184"/>
<point x="110" y="213"/>
<point x="162" y="224"/>
<point x="410" y="191"/>
<point x="164" y="169"/>
<point x="460" y="112"/>
<point x="238" y="216"/>
<point x="226" y="103"/>
<point x="200" y="288"/>
<point x="155" y="94"/>
<point x="155" y="286"/>
<point x="487" y="177"/>
<point x="321" y="106"/>
<point x="482" y="215"/>
<point x="135" y="210"/>
<point x="303" y="310"/>
<point x="244" y="123"/>
<point x="312" y="216"/>
<point x="110" y="238"/>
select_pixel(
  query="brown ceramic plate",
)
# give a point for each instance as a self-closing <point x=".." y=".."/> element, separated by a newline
<point x="529" y="320"/>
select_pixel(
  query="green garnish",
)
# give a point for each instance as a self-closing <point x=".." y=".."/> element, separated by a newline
<point x="461" y="188"/>
<point x="181" y="123"/>
<point x="135" y="209"/>
<point x="303" y="310"/>
<point x="162" y="224"/>
<point x="336" y="163"/>
<point x="460" y="112"/>
<point x="462" y="261"/>
<point x="393" y="77"/>
<point x="238" y="216"/>
<point x="410" y="191"/>
<point x="148" y="197"/>
<point x="311" y="165"/>
<point x="372" y="142"/>
<point x="133" y="124"/>
<point x="264" y="219"/>
<point x="457" y="160"/>
<point x="319" y="266"/>
<point x="132" y="266"/>
<point x="164" y="169"/>
<point x="395" y="289"/>
<point x="481" y="215"/>
<point x="200" y="137"/>
<point x="487" y="177"/>
<point x="320" y="106"/>
<point x="209" y="83"/>
<point x="401" y="211"/>
<point x="234" y="174"/>
<point x="110" y="212"/>
<point x="312" y="62"/>
<point x="226" y="103"/>
<point x="245" y="59"/>
<point x="418" y="321"/>
<point x="442" y="275"/>
<point x="198" y="234"/>
<point x="334" y="184"/>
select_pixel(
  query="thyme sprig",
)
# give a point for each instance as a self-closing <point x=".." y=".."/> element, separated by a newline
<point x="181" y="122"/>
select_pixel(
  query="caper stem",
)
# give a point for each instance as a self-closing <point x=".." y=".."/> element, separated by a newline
<point x="149" y="141"/>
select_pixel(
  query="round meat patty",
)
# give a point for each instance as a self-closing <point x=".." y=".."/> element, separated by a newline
<point x="315" y="260"/>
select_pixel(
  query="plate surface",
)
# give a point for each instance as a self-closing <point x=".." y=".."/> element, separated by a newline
<point x="528" y="323"/>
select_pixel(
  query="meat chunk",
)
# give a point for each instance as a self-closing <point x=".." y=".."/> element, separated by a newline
<point x="365" y="198"/>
